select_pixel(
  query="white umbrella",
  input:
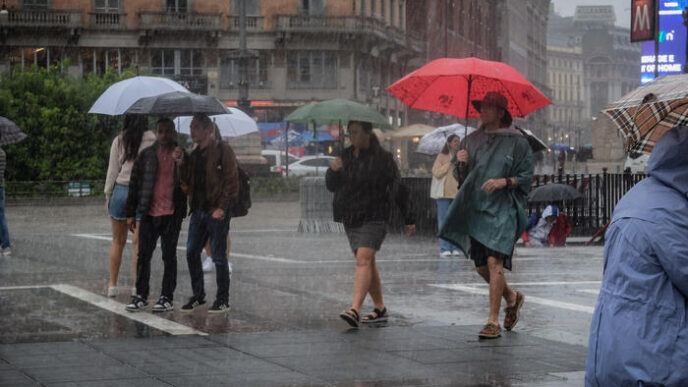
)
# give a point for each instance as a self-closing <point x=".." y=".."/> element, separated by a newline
<point x="234" y="124"/>
<point x="121" y="95"/>
<point x="432" y="143"/>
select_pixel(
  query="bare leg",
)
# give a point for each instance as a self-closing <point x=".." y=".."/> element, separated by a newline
<point x="498" y="288"/>
<point x="364" y="275"/>
<point x="508" y="294"/>
<point x="119" y="239"/>
<point x="207" y="248"/>
<point x="376" y="287"/>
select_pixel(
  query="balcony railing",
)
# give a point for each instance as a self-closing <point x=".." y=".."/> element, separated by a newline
<point x="343" y="24"/>
<point x="253" y="23"/>
<point x="179" y="21"/>
<point x="107" y="21"/>
<point x="44" y="18"/>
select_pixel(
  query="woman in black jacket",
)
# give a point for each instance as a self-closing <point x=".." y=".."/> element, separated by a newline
<point x="366" y="181"/>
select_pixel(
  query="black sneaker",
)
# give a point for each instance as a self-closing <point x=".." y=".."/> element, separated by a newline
<point x="219" y="306"/>
<point x="137" y="303"/>
<point x="193" y="303"/>
<point x="164" y="304"/>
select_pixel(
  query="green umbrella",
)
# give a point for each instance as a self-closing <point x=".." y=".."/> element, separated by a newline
<point x="337" y="112"/>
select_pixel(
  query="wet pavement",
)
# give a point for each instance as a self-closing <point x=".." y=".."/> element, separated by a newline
<point x="286" y="292"/>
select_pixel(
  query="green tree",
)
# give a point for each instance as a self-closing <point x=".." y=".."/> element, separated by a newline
<point x="64" y="142"/>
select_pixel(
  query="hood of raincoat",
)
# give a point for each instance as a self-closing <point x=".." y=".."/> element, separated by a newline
<point x="669" y="160"/>
<point x="550" y="211"/>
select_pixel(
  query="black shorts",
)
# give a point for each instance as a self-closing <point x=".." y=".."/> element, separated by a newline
<point x="369" y="234"/>
<point x="479" y="254"/>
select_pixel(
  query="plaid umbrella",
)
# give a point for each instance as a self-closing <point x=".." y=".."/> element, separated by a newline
<point x="649" y="111"/>
<point x="10" y="132"/>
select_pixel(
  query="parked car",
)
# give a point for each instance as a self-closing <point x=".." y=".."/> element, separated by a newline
<point x="276" y="159"/>
<point x="309" y="165"/>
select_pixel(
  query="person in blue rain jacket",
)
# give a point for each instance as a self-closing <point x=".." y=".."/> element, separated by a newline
<point x="639" y="331"/>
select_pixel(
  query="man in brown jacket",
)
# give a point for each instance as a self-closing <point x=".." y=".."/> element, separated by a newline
<point x="210" y="178"/>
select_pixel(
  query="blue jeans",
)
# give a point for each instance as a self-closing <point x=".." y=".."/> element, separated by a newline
<point x="201" y="227"/>
<point x="4" y="231"/>
<point x="442" y="207"/>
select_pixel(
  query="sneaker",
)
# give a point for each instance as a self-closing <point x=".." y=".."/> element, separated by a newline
<point x="164" y="304"/>
<point x="112" y="291"/>
<point x="208" y="265"/>
<point x="490" y="331"/>
<point x="445" y="254"/>
<point x="137" y="303"/>
<point x="193" y="303"/>
<point x="219" y="307"/>
<point x="7" y="251"/>
<point x="456" y="253"/>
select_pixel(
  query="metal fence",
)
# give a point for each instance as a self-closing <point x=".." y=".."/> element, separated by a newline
<point x="588" y="214"/>
<point x="56" y="188"/>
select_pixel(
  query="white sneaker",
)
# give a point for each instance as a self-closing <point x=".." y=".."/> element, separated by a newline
<point x="445" y="253"/>
<point x="208" y="265"/>
<point x="456" y="252"/>
<point x="112" y="291"/>
<point x="7" y="251"/>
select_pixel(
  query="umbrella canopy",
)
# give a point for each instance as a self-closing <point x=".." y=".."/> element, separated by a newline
<point x="121" y="95"/>
<point x="338" y="111"/>
<point x="294" y="139"/>
<point x="233" y="124"/>
<point x="10" y="132"/>
<point x="536" y="145"/>
<point x="553" y="193"/>
<point x="433" y="142"/>
<point x="177" y="103"/>
<point x="448" y="85"/>
<point x="646" y="113"/>
<point x="415" y="130"/>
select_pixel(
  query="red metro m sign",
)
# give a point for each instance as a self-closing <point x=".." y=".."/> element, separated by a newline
<point x="643" y="18"/>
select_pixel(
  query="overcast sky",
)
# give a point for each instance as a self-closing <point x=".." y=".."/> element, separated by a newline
<point x="622" y="8"/>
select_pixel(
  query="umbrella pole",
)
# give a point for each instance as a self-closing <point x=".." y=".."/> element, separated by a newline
<point x="341" y="139"/>
<point x="468" y="106"/>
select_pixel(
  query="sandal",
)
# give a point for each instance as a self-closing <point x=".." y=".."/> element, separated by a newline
<point x="377" y="316"/>
<point x="351" y="317"/>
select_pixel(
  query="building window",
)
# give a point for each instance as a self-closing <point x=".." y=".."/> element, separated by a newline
<point x="41" y="4"/>
<point x="252" y="7"/>
<point x="177" y="62"/>
<point x="313" y="7"/>
<point x="373" y="5"/>
<point x="176" y="6"/>
<point x="311" y="69"/>
<point x="106" y="6"/>
<point x="383" y="10"/>
<point x="99" y="61"/>
<point x="391" y="13"/>
<point x="257" y="71"/>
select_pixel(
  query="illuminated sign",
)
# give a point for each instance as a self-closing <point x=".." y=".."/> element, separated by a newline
<point x="642" y="20"/>
<point x="672" y="43"/>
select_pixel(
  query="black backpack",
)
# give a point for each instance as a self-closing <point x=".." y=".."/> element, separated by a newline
<point x="241" y="206"/>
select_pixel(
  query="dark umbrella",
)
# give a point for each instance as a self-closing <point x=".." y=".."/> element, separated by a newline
<point x="536" y="145"/>
<point x="10" y="132"/>
<point x="177" y="103"/>
<point x="553" y="193"/>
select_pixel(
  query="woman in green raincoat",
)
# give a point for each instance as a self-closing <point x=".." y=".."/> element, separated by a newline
<point x="487" y="216"/>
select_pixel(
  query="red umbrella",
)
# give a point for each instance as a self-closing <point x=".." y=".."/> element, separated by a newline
<point x="448" y="85"/>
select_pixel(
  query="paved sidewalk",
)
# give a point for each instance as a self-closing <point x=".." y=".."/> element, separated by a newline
<point x="442" y="355"/>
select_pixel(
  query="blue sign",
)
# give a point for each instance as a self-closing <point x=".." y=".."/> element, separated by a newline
<point x="672" y="42"/>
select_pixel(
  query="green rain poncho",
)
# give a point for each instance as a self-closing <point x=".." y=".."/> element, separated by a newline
<point x="496" y="220"/>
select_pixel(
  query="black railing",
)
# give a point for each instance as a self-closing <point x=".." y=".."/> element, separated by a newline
<point x="53" y="189"/>
<point x="600" y="193"/>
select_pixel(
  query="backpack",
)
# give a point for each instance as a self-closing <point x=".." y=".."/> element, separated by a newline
<point x="243" y="203"/>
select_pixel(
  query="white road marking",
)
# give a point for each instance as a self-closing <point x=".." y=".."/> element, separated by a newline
<point x="115" y="307"/>
<point x="543" y="283"/>
<point x="589" y="291"/>
<point x="529" y="299"/>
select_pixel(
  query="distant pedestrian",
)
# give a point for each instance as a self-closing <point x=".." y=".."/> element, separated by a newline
<point x="210" y="178"/>
<point x="4" y="230"/>
<point x="444" y="187"/>
<point x="639" y="330"/>
<point x="155" y="192"/>
<point x="538" y="230"/>
<point x="125" y="147"/>
<point x="366" y="183"/>
<point x="487" y="217"/>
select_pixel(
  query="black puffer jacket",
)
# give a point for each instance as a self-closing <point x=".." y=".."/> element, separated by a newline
<point x="142" y="184"/>
<point x="366" y="187"/>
